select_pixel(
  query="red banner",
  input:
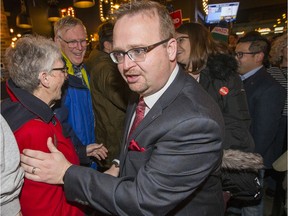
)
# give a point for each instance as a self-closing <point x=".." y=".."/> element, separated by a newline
<point x="177" y="18"/>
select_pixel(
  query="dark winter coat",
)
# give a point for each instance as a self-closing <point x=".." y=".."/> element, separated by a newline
<point x="221" y="80"/>
<point x="110" y="95"/>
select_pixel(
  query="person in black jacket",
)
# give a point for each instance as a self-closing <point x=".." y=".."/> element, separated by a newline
<point x="208" y="61"/>
<point x="109" y="93"/>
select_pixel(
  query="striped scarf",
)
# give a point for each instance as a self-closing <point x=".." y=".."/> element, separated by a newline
<point x="83" y="74"/>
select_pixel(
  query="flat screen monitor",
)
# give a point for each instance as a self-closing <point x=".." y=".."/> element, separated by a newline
<point x="226" y="11"/>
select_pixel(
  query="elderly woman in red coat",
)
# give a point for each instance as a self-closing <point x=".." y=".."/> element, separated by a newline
<point x="37" y="74"/>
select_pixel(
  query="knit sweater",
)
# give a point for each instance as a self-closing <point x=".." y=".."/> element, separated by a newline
<point x="11" y="173"/>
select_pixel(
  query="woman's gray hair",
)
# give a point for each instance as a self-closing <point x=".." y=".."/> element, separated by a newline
<point x="31" y="55"/>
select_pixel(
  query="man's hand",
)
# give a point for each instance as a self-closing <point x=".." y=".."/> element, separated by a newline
<point x="45" y="167"/>
<point x="113" y="171"/>
<point x="98" y="151"/>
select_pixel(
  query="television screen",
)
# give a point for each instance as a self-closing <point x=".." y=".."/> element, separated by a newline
<point x="226" y="11"/>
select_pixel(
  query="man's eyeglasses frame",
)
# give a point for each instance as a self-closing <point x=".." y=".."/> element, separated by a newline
<point x="63" y="69"/>
<point x="240" y="55"/>
<point x="74" y="43"/>
<point x="141" y="51"/>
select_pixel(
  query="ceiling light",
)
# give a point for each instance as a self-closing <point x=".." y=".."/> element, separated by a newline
<point x="83" y="3"/>
<point x="53" y="11"/>
<point x="23" y="20"/>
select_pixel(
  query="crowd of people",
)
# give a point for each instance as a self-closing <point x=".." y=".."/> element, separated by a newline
<point x="156" y="121"/>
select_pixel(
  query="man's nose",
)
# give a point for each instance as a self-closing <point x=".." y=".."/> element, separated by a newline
<point x="127" y="62"/>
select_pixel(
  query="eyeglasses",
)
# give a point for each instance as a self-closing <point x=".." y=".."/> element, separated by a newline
<point x="74" y="43"/>
<point x="180" y="39"/>
<point x="136" y="54"/>
<point x="239" y="55"/>
<point x="63" y="69"/>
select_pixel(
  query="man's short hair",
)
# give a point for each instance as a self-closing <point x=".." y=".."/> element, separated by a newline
<point x="66" y="23"/>
<point x="151" y="9"/>
<point x="105" y="33"/>
<point x="258" y="44"/>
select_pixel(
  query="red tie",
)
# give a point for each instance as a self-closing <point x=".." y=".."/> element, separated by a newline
<point x="140" y="111"/>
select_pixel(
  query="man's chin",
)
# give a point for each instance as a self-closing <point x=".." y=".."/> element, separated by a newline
<point x="138" y="88"/>
<point x="77" y="61"/>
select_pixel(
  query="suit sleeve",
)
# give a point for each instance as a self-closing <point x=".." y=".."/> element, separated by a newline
<point x="11" y="173"/>
<point x="177" y="165"/>
<point x="270" y="104"/>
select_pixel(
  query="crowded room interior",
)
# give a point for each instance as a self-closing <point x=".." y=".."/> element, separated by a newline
<point x="178" y="107"/>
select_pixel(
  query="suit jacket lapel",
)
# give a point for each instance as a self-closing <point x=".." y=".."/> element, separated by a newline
<point x="168" y="96"/>
<point x="133" y="100"/>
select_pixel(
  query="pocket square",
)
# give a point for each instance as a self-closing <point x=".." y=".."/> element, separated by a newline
<point x="135" y="147"/>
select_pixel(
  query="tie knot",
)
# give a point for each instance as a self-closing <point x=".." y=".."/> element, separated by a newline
<point x="141" y="102"/>
<point x="141" y="106"/>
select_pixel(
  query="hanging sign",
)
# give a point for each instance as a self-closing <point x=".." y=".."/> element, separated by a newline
<point x="177" y="17"/>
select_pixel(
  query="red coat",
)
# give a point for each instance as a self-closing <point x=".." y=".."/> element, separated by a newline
<point x="40" y="198"/>
<point x="32" y="122"/>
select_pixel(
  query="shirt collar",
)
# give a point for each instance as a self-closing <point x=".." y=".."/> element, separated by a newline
<point x="250" y="73"/>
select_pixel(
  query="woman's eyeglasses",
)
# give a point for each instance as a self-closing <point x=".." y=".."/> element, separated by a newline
<point x="63" y="69"/>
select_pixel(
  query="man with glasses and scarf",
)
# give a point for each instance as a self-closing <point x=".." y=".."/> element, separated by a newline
<point x="75" y="108"/>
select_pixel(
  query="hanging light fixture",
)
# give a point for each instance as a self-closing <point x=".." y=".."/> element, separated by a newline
<point x="83" y="3"/>
<point x="116" y="4"/>
<point x="205" y="6"/>
<point x="23" y="20"/>
<point x="53" y="11"/>
<point x="106" y="10"/>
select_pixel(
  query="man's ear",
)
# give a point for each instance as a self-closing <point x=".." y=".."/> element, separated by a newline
<point x="44" y="79"/>
<point x="108" y="46"/>
<point x="259" y="57"/>
<point x="172" y="48"/>
<point x="57" y="41"/>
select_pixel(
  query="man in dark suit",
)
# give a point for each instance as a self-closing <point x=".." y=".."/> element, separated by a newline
<point x="170" y="164"/>
<point x="265" y="99"/>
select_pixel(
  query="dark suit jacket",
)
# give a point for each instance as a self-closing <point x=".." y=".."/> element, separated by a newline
<point x="266" y="99"/>
<point x="177" y="174"/>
